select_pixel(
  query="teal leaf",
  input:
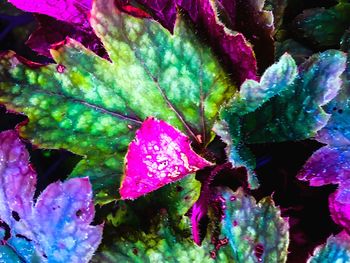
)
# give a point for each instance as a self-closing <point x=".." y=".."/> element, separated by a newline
<point x="256" y="231"/>
<point x="337" y="249"/>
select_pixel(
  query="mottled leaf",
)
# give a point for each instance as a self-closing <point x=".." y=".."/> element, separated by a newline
<point x="324" y="27"/>
<point x="57" y="225"/>
<point x="159" y="155"/>
<point x="330" y="164"/>
<point x="256" y="231"/>
<point x="283" y="106"/>
<point x="230" y="45"/>
<point x="161" y="243"/>
<point x="337" y="249"/>
<point x="250" y="98"/>
<point x="93" y="107"/>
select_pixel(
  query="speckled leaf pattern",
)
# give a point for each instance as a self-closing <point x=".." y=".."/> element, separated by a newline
<point x="256" y="231"/>
<point x="324" y="27"/>
<point x="162" y="243"/>
<point x="337" y="249"/>
<point x="230" y="45"/>
<point x="250" y="98"/>
<point x="58" y="224"/>
<point x="93" y="107"/>
<point x="159" y="155"/>
<point x="283" y="106"/>
<point x="330" y="164"/>
<point x="276" y="119"/>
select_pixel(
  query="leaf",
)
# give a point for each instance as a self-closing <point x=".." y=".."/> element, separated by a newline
<point x="339" y="206"/>
<point x="337" y="249"/>
<point x="256" y="231"/>
<point x="263" y="112"/>
<point x="250" y="18"/>
<point x="58" y="224"/>
<point x="330" y="164"/>
<point x="71" y="11"/>
<point x="324" y="27"/>
<point x="51" y="31"/>
<point x="93" y="107"/>
<point x="159" y="155"/>
<point x="251" y="96"/>
<point x="299" y="52"/>
<point x="161" y="243"/>
<point x="231" y="46"/>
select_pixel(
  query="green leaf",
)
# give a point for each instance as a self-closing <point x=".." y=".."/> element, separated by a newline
<point x="250" y="98"/>
<point x="256" y="231"/>
<point x="284" y="106"/>
<point x="161" y="243"/>
<point x="93" y="107"/>
<point x="324" y="27"/>
<point x="177" y="198"/>
<point x="337" y="249"/>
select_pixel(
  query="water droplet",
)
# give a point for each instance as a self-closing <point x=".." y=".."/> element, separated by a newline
<point x="60" y="68"/>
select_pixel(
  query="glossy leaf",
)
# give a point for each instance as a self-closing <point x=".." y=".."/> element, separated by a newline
<point x="337" y="249"/>
<point x="256" y="231"/>
<point x="324" y="27"/>
<point x="98" y="105"/>
<point x="159" y="155"/>
<point x="57" y="225"/>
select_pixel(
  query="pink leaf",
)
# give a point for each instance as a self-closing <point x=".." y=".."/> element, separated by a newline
<point x="58" y="225"/>
<point x="159" y="155"/>
<point x="339" y="208"/>
<point x="71" y="11"/>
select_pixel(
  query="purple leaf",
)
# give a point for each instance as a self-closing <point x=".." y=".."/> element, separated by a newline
<point x="159" y="155"/>
<point x="52" y="31"/>
<point x="331" y="165"/>
<point x="58" y="225"/>
<point x="71" y="11"/>
<point x="320" y="169"/>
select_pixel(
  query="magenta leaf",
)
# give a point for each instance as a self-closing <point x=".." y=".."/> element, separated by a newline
<point x="71" y="11"/>
<point x="340" y="208"/>
<point x="58" y="224"/>
<point x="159" y="155"/>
